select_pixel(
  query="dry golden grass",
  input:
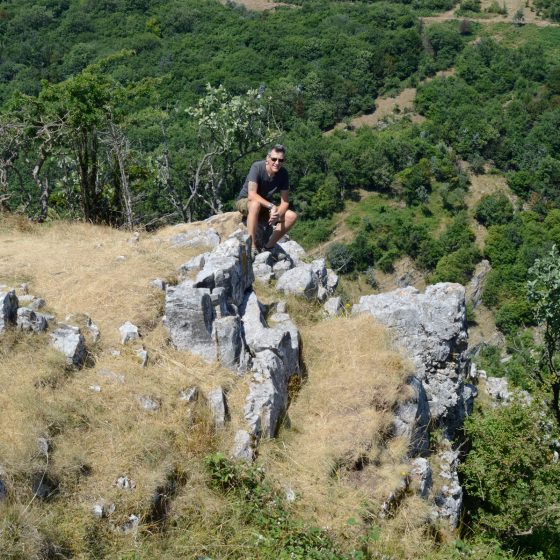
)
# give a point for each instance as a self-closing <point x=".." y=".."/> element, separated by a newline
<point x="336" y="452"/>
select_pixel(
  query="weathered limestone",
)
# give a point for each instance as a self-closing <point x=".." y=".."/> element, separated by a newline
<point x="8" y="309"/>
<point x="217" y="404"/>
<point x="432" y="329"/>
<point x="333" y="306"/>
<point x="475" y="287"/>
<point x="128" y="332"/>
<point x="196" y="238"/>
<point x="29" y="321"/>
<point x="70" y="341"/>
<point x="242" y="446"/>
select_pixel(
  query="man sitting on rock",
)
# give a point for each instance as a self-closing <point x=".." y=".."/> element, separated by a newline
<point x="266" y="178"/>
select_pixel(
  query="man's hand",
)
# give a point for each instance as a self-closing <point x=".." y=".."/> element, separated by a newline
<point x="274" y="216"/>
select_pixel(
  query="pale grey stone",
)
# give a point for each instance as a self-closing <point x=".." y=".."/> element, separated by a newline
<point x="70" y="341"/>
<point x="43" y="446"/>
<point x="498" y="389"/>
<point x="229" y="340"/>
<point x="28" y="320"/>
<point x="280" y="267"/>
<point x="263" y="272"/>
<point x="242" y="446"/>
<point x="190" y="394"/>
<point x="128" y="332"/>
<point x="8" y="309"/>
<point x="159" y="283"/>
<point x="112" y="376"/>
<point x="319" y="268"/>
<point x="121" y="258"/>
<point x="37" y="303"/>
<point x="265" y="257"/>
<point x="132" y="524"/>
<point x="24" y="288"/>
<point x="26" y="299"/>
<point x="300" y="281"/>
<point x="195" y="264"/>
<point x="196" y="238"/>
<point x="412" y="418"/>
<point x="189" y="318"/>
<point x="421" y="476"/>
<point x="124" y="483"/>
<point x="93" y="330"/>
<point x="149" y="404"/>
<point x="294" y="250"/>
<point x="332" y="280"/>
<point x="449" y="501"/>
<point x="97" y="510"/>
<point x="134" y="239"/>
<point x="95" y="388"/>
<point x="333" y="306"/>
<point x="475" y="287"/>
<point x="143" y="356"/>
<point x="217" y="404"/>
<point x="282" y="307"/>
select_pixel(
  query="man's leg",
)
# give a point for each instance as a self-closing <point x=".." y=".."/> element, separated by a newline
<point x="253" y="210"/>
<point x="281" y="228"/>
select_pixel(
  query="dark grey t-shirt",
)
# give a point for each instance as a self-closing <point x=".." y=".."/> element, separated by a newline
<point x="267" y="186"/>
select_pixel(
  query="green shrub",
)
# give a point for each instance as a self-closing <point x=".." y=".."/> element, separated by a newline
<point x="457" y="266"/>
<point x="513" y="314"/>
<point x="310" y="233"/>
<point x="511" y="479"/>
<point x="340" y="258"/>
<point x="494" y="209"/>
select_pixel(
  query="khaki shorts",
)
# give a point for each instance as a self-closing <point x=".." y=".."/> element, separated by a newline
<point x="243" y="206"/>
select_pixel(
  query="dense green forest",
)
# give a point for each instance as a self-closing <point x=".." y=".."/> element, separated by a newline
<point x="138" y="113"/>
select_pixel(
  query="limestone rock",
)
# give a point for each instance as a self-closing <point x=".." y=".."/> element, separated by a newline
<point x="190" y="394"/>
<point x="498" y="389"/>
<point x="412" y="418"/>
<point x="196" y="238"/>
<point x="195" y="264"/>
<point x="159" y="283"/>
<point x="476" y="285"/>
<point x="29" y="321"/>
<point x="148" y="403"/>
<point x="37" y="303"/>
<point x="242" y="447"/>
<point x="93" y="330"/>
<point x="421" y="476"/>
<point x="128" y="332"/>
<point x="70" y="341"/>
<point x="294" y="250"/>
<point x="333" y="306"/>
<point x="450" y="498"/>
<point x="218" y="407"/>
<point x="143" y="356"/>
<point x="299" y="281"/>
<point x="431" y="328"/>
<point x="8" y="309"/>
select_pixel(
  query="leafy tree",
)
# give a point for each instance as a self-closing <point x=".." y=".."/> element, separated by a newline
<point x="494" y="209"/>
<point x="511" y="477"/>
<point x="544" y="294"/>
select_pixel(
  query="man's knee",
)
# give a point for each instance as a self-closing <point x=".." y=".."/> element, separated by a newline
<point x="290" y="218"/>
<point x="253" y="207"/>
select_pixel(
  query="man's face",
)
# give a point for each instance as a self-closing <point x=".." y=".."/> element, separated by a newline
<point x="274" y="161"/>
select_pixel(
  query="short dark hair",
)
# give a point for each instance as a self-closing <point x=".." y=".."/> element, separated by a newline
<point x="277" y="148"/>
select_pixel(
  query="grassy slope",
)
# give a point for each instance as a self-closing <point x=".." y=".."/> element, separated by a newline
<point x="339" y="417"/>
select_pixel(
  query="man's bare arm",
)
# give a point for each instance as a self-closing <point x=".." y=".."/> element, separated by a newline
<point x="252" y="194"/>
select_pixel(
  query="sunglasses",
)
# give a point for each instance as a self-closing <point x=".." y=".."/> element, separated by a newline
<point x="277" y="159"/>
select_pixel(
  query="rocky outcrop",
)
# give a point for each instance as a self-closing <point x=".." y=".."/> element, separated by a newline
<point x="432" y="329"/>
<point x="215" y="314"/>
<point x="70" y="341"/>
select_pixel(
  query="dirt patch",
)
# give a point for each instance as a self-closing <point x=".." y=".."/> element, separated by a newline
<point x="395" y="106"/>
<point x="512" y="6"/>
<point x="257" y="5"/>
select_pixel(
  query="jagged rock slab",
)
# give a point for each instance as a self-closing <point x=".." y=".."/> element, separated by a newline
<point x="70" y="341"/>
<point x="29" y="321"/>
<point x="8" y="309"/>
<point x="432" y="329"/>
<point x="196" y="238"/>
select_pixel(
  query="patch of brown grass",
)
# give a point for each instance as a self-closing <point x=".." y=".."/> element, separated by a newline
<point x="340" y="421"/>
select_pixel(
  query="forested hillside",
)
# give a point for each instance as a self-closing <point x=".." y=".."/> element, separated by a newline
<point x="142" y="113"/>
